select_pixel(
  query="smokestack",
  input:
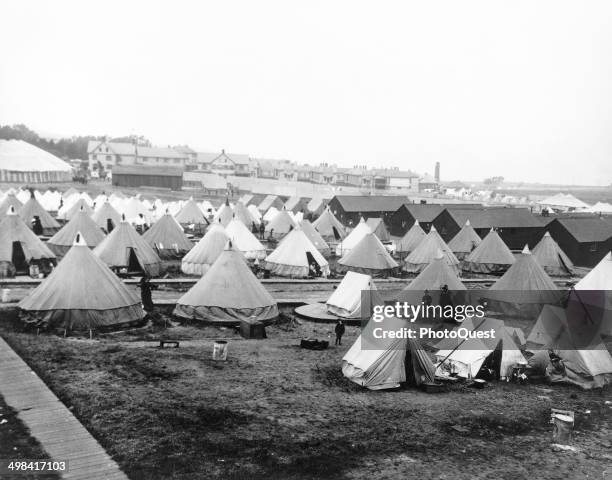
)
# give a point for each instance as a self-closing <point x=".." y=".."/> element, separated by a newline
<point x="437" y="174"/>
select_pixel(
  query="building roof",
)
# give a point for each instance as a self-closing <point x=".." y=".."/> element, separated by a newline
<point x="587" y="229"/>
<point x="370" y="203"/>
<point x="209" y="157"/>
<point x="124" y="148"/>
<point x="494" y="217"/>
<point x="163" y="171"/>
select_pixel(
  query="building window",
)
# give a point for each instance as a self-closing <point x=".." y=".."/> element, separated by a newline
<point x="593" y="247"/>
<point x="109" y="158"/>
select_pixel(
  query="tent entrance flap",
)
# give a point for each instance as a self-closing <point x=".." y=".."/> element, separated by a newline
<point x="19" y="258"/>
<point x="133" y="264"/>
<point x="336" y="234"/>
<point x="312" y="262"/>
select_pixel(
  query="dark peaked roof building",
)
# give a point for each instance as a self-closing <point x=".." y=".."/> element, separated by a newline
<point x="585" y="240"/>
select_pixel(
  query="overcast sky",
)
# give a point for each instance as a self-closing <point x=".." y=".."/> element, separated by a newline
<point x="514" y="88"/>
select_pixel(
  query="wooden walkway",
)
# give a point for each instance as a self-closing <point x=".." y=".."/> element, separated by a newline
<point x="59" y="433"/>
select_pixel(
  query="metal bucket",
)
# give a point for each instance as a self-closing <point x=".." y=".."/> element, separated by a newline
<point x="220" y="350"/>
<point x="562" y="428"/>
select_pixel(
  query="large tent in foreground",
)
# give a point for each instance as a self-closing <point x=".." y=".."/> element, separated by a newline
<point x="587" y="362"/>
<point x="167" y="238"/>
<point x="201" y="257"/>
<point x="555" y="262"/>
<point x="244" y="240"/>
<point x="380" y="364"/>
<point x="329" y="226"/>
<point x="20" y="248"/>
<point x="410" y="240"/>
<point x="228" y="293"/>
<point x="491" y="256"/>
<point x="465" y="241"/>
<point x="33" y="209"/>
<point x="467" y="357"/>
<point x="294" y="257"/>
<point x="348" y="299"/>
<point x="370" y="257"/>
<point x="125" y="249"/>
<point x="81" y="223"/>
<point x="82" y="294"/>
<point x="427" y="251"/>
<point x="523" y="290"/>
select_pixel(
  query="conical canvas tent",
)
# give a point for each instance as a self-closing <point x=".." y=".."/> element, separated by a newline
<point x="270" y="214"/>
<point x="329" y="226"/>
<point x="105" y="213"/>
<point x="523" y="290"/>
<point x="594" y="291"/>
<point x="63" y="240"/>
<point x="32" y="209"/>
<point x="244" y="241"/>
<point x="123" y="249"/>
<point x="254" y="212"/>
<point x="201" y="257"/>
<point x="167" y="238"/>
<point x="353" y="238"/>
<point x="465" y="241"/>
<point x="9" y="201"/>
<point x="20" y="248"/>
<point x="225" y="214"/>
<point x="348" y="299"/>
<point x="466" y="357"/>
<point x="380" y="230"/>
<point x="427" y="251"/>
<point x="67" y="212"/>
<point x="555" y="262"/>
<point x="433" y="277"/>
<point x="410" y="240"/>
<point x="315" y="238"/>
<point x="380" y="364"/>
<point x="191" y="214"/>
<point x="369" y="256"/>
<point x="294" y="256"/>
<point x="491" y="256"/>
<point x="586" y="361"/>
<point x="82" y="293"/>
<point x="280" y="225"/>
<point x="228" y="293"/>
<point x="243" y="214"/>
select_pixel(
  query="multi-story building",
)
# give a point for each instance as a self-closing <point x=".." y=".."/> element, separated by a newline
<point x="110" y="154"/>
<point x="224" y="163"/>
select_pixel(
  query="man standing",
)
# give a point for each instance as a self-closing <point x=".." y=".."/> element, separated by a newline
<point x="339" y="332"/>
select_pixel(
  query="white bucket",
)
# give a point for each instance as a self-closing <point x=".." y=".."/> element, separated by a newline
<point x="6" y="295"/>
<point x="563" y="426"/>
<point x="220" y="350"/>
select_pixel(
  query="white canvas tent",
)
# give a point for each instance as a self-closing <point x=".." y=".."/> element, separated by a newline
<point x="294" y="256"/>
<point x="382" y="364"/>
<point x="346" y="301"/>
<point x="353" y="238"/>
<point x="201" y="257"/>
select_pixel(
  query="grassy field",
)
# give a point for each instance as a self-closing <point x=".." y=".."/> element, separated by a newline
<point x="275" y="411"/>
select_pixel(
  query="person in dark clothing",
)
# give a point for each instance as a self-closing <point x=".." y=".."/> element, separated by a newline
<point x="339" y="332"/>
<point x="109" y="225"/>
<point x="445" y="297"/>
<point x="253" y="227"/>
<point x="262" y="230"/>
<point x="37" y="227"/>
<point x="427" y="300"/>
<point x="145" y="293"/>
